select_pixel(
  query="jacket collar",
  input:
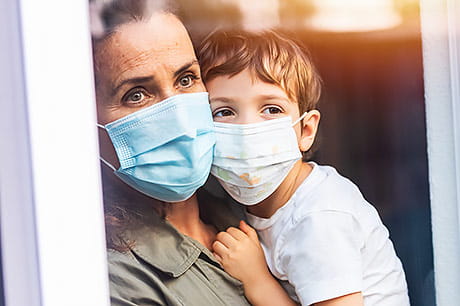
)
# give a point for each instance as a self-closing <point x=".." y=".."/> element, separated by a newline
<point x="158" y="243"/>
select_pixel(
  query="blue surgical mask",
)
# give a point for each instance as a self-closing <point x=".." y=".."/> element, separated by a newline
<point x="165" y="150"/>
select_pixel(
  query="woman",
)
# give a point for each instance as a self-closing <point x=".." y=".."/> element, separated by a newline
<point x="156" y="145"/>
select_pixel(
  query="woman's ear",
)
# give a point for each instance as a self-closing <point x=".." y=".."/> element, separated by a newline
<point x="309" y="128"/>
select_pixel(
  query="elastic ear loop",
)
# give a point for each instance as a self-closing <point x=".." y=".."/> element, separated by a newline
<point x="100" y="157"/>
<point x="300" y="118"/>
<point x="107" y="164"/>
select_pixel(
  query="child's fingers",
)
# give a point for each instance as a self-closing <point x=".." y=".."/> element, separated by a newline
<point x="226" y="239"/>
<point x="236" y="233"/>
<point x="219" y="249"/>
<point x="217" y="256"/>
<point x="248" y="231"/>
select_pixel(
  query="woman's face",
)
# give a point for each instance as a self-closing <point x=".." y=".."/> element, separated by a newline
<point x="141" y="64"/>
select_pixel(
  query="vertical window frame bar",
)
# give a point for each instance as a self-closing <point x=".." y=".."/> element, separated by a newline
<point x="52" y="223"/>
<point x="21" y="277"/>
<point x="440" y="40"/>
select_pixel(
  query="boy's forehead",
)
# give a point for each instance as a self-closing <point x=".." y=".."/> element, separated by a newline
<point x="247" y="83"/>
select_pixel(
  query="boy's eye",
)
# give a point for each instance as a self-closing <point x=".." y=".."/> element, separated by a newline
<point x="187" y="81"/>
<point x="271" y="110"/>
<point x="223" y="113"/>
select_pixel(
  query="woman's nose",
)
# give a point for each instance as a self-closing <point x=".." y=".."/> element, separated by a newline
<point x="167" y="93"/>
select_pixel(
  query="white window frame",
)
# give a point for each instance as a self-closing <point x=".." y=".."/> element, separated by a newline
<point x="17" y="213"/>
<point x="51" y="216"/>
<point x="441" y="58"/>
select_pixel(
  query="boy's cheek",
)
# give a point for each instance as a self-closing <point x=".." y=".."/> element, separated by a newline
<point x="223" y="119"/>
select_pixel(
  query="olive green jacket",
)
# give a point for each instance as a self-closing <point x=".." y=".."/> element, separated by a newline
<point x="164" y="267"/>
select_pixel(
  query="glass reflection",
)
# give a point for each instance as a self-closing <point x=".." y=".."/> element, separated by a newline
<point x="369" y="56"/>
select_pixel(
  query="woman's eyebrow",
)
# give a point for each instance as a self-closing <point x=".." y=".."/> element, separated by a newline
<point x="185" y="67"/>
<point x="135" y="80"/>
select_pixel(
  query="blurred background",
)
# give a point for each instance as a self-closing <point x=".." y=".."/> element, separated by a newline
<point x="373" y="118"/>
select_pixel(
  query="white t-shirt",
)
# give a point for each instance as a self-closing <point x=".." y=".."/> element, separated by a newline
<point x="327" y="241"/>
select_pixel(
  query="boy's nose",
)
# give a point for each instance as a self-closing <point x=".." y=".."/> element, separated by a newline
<point x="247" y="118"/>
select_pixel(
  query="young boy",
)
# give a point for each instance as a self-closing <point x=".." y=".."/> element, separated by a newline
<point x="321" y="239"/>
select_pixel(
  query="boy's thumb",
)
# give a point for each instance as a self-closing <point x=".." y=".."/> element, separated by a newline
<point x="248" y="230"/>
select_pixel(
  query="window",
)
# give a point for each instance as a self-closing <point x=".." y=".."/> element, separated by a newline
<point x="391" y="94"/>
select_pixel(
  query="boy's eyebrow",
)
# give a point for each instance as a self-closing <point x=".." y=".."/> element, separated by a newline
<point x="221" y="99"/>
<point x="273" y="97"/>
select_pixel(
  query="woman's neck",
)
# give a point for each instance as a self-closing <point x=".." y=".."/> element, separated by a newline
<point x="283" y="193"/>
<point x="185" y="217"/>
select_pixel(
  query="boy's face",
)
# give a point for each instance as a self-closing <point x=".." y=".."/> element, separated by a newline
<point x="244" y="98"/>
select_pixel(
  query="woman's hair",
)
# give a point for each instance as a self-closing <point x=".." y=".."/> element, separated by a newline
<point x="107" y="15"/>
<point x="124" y="209"/>
<point x="270" y="56"/>
<point x="122" y="205"/>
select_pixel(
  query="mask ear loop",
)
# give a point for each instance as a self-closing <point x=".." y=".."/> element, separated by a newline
<point x="100" y="157"/>
<point x="300" y="118"/>
<point x="107" y="164"/>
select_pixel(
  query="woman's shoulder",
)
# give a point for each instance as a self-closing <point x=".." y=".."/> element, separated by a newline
<point x="131" y="282"/>
<point x="120" y="258"/>
<point x="134" y="281"/>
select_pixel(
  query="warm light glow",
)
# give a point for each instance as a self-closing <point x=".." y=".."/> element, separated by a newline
<point x="259" y="14"/>
<point x="354" y="15"/>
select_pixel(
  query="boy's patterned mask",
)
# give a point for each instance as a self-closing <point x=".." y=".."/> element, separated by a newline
<point x="252" y="160"/>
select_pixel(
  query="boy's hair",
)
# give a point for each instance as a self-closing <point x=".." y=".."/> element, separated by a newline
<point x="270" y="56"/>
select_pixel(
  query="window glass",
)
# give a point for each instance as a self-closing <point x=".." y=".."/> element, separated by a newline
<point x="372" y="128"/>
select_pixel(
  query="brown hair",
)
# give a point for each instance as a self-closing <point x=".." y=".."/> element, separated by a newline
<point x="108" y="15"/>
<point x="270" y="56"/>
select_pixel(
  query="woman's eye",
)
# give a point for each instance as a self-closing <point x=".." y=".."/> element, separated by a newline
<point x="223" y="113"/>
<point x="187" y="80"/>
<point x="272" y="110"/>
<point x="135" y="97"/>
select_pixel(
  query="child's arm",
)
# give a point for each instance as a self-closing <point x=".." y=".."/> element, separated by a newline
<point x="240" y="253"/>
<point x="354" y="299"/>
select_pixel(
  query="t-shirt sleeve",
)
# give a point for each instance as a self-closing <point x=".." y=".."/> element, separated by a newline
<point x="130" y="284"/>
<point x="322" y="257"/>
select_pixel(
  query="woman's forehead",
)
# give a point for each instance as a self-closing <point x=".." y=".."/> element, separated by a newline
<point x="160" y="27"/>
<point x="161" y="40"/>
<point x="161" y="32"/>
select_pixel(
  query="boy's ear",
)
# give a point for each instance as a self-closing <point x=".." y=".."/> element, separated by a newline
<point x="309" y="128"/>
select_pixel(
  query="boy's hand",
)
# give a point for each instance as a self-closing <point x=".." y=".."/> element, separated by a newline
<point x="240" y="253"/>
